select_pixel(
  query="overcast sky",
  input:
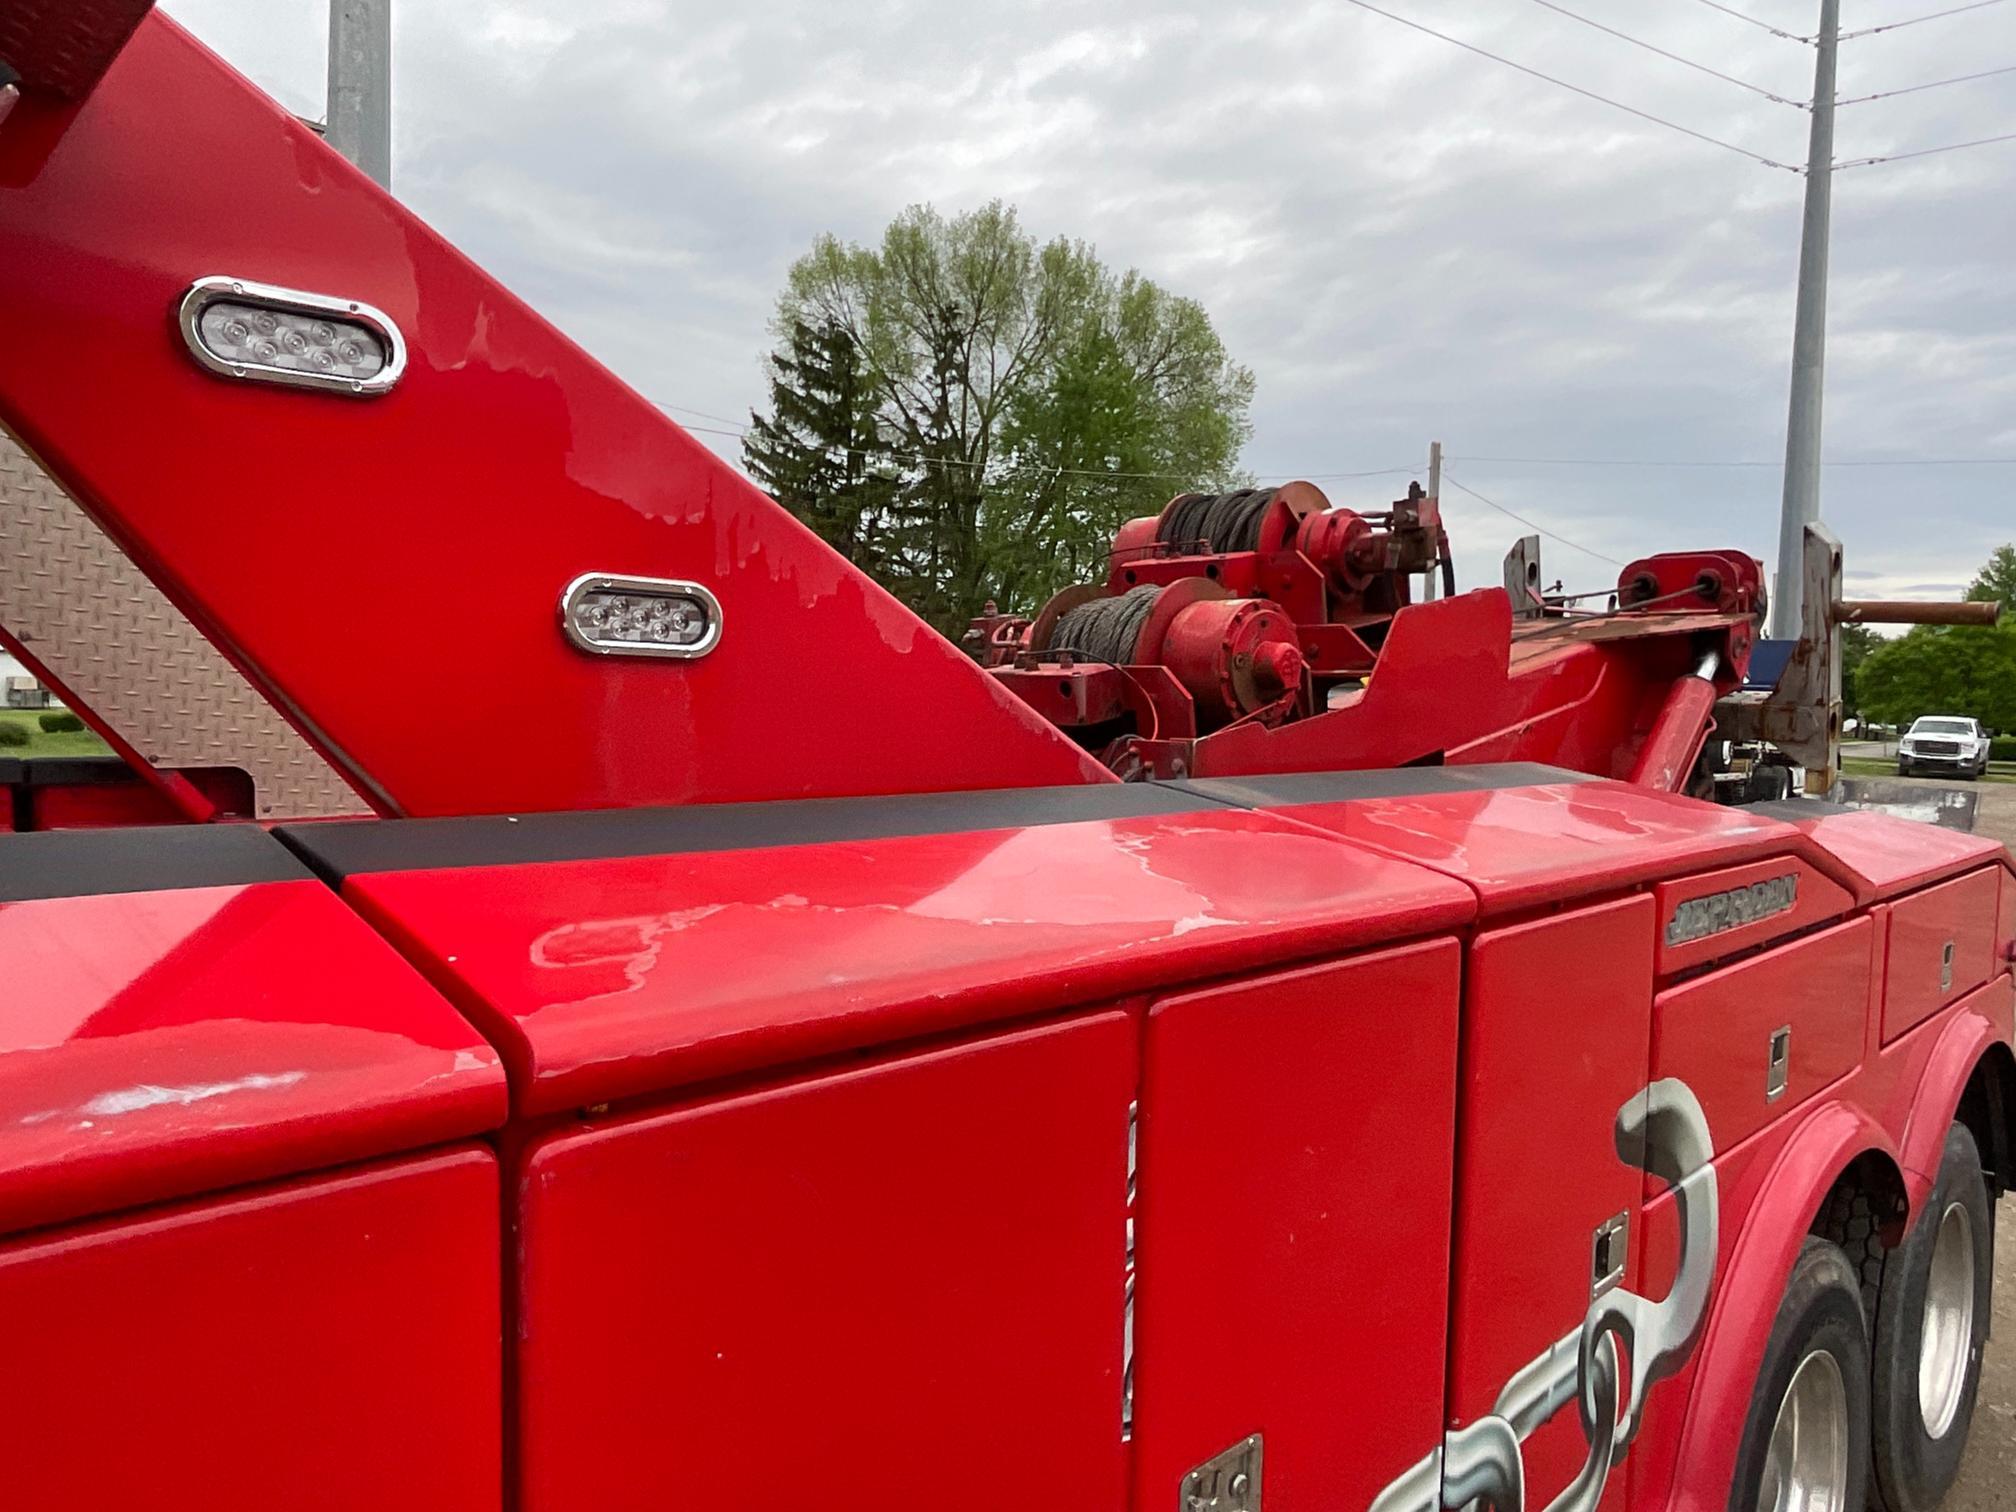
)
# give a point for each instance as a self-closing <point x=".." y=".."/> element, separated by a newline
<point x="1403" y="240"/>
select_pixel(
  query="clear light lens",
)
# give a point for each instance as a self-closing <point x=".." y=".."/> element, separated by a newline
<point x="637" y="620"/>
<point x="245" y="335"/>
<point x="640" y="616"/>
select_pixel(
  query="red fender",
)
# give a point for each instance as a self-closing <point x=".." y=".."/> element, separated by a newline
<point x="1754" y="1273"/>
<point x="1980" y="1022"/>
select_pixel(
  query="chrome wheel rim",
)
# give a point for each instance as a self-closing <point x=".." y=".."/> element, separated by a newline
<point x="1806" y="1469"/>
<point x="1946" y="1341"/>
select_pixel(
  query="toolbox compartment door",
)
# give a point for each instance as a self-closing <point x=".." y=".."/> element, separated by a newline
<point x="1293" y="1227"/>
<point x="1942" y="944"/>
<point x="897" y="1285"/>
<point x="1556" y="1046"/>
<point x="331" y="1343"/>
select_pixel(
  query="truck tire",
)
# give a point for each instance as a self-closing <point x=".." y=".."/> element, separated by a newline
<point x="1815" y="1378"/>
<point x="1932" y="1310"/>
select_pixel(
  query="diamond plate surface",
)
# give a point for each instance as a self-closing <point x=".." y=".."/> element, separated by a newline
<point x="104" y="631"/>
<point x="63" y="46"/>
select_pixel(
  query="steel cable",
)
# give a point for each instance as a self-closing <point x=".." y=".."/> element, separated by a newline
<point x="1215" y="522"/>
<point x="1106" y="629"/>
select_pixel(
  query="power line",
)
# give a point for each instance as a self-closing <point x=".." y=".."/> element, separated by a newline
<point x="1530" y="525"/>
<point x="1717" y="73"/>
<point x="1765" y="25"/>
<point x="1326" y="476"/>
<point x="1699" y="462"/>
<point x="687" y="409"/>
<point x="1898" y="157"/>
<point x="742" y="431"/>
<point x="1590" y="94"/>
<point x="1986" y="73"/>
<point x="1870" y="31"/>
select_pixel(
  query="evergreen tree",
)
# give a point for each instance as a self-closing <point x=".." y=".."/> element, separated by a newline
<point x="819" y="452"/>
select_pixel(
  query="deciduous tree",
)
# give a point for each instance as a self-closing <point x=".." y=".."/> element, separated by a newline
<point x="1026" y="400"/>
<point x="1951" y="670"/>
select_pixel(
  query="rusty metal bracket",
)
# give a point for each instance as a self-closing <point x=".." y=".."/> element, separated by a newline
<point x="1802" y="715"/>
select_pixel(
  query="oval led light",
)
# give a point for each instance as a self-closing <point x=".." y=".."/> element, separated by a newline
<point x="609" y="615"/>
<point x="240" y="329"/>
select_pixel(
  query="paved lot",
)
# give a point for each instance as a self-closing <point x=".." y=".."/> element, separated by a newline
<point x="1988" y="1478"/>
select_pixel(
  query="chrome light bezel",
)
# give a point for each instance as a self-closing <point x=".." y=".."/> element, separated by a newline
<point x="207" y="291"/>
<point x="646" y="587"/>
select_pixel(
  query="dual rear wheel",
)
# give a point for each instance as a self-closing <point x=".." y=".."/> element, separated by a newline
<point x="1867" y="1388"/>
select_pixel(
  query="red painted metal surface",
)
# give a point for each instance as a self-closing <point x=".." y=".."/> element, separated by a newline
<point x="613" y="978"/>
<point x="894" y="1283"/>
<point x="1942" y="946"/>
<point x="1816" y="898"/>
<point x="1715" y="1033"/>
<point x="1447" y="687"/>
<point x="333" y="1343"/>
<point x="1550" y="1059"/>
<point x="1256" y="653"/>
<point x="900" y="1286"/>
<point x="447" y="489"/>
<point x="1884" y="856"/>
<point x="2005" y="929"/>
<point x="1522" y="846"/>
<point x="1666" y="758"/>
<point x="159" y="1044"/>
<point x="1895" y="1107"/>
<point x="1296" y="1151"/>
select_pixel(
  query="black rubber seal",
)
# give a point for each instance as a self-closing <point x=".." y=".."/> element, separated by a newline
<point x="341" y="848"/>
<point x="164" y="858"/>
<point x="1286" y="789"/>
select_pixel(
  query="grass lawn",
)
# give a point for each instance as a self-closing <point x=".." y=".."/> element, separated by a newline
<point x="1870" y="766"/>
<point x="41" y="743"/>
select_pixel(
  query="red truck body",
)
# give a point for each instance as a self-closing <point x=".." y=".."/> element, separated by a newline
<point x="759" y="1091"/>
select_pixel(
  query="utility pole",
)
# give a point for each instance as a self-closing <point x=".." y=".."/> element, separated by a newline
<point x="1809" y="339"/>
<point x="360" y="84"/>
<point x="1431" y="579"/>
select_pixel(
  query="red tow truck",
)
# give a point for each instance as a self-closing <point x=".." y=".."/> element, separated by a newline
<point x="1241" y="1040"/>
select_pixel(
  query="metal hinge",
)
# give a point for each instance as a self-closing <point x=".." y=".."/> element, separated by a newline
<point x="1606" y="1254"/>
<point x="1127" y="1315"/>
<point x="1227" y="1482"/>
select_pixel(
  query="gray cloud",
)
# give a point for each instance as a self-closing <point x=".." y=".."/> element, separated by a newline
<point x="1403" y="241"/>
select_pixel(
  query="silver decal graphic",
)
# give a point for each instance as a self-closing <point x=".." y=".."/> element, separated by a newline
<point x="1698" y="918"/>
<point x="1480" y="1464"/>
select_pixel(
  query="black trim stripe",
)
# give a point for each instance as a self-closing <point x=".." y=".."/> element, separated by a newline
<point x="77" y="771"/>
<point x="80" y="863"/>
<point x="1289" y="788"/>
<point x="342" y="848"/>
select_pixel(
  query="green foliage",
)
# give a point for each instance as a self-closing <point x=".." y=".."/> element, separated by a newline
<point x="12" y="734"/>
<point x="1857" y="641"/>
<point x="59" y="722"/>
<point x="2002" y="748"/>
<point x="968" y="414"/>
<point x="1938" y="670"/>
<point x="1997" y="580"/>
<point x="1950" y="670"/>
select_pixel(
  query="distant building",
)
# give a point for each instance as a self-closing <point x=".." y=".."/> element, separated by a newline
<point x="19" y="688"/>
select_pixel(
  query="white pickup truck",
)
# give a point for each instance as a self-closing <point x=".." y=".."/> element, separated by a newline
<point x="1943" y="743"/>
